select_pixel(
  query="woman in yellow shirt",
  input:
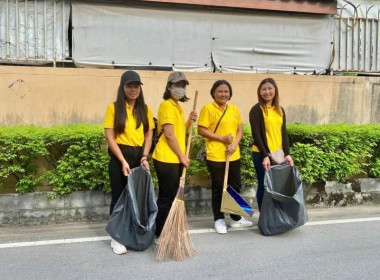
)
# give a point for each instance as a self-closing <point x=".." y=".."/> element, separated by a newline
<point x="220" y="123"/>
<point x="268" y="125"/>
<point x="169" y="153"/>
<point x="128" y="127"/>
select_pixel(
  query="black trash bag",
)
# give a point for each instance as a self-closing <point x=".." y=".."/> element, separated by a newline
<point x="132" y="222"/>
<point x="283" y="207"/>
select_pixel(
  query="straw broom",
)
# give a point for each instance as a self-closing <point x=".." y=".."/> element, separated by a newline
<point x="175" y="241"/>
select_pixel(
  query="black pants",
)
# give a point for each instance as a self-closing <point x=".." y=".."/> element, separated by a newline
<point x="118" y="181"/>
<point x="168" y="175"/>
<point x="260" y="173"/>
<point x="217" y="178"/>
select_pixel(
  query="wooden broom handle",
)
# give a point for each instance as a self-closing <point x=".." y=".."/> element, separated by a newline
<point x="226" y="171"/>
<point x="190" y="133"/>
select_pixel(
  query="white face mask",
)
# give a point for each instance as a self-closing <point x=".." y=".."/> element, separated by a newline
<point x="178" y="92"/>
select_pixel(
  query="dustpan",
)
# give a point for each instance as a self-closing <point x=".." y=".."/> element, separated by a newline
<point x="232" y="202"/>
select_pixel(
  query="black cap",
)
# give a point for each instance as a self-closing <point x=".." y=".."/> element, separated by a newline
<point x="130" y="77"/>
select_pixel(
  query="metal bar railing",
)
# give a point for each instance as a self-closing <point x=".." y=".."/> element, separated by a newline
<point x="35" y="29"/>
<point x="26" y="31"/>
<point x="8" y="41"/>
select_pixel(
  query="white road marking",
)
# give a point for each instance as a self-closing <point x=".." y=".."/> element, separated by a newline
<point x="193" y="231"/>
<point x="343" y="221"/>
<point x="54" y="242"/>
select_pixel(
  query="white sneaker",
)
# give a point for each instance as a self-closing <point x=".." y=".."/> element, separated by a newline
<point x="242" y="223"/>
<point x="118" y="248"/>
<point x="220" y="226"/>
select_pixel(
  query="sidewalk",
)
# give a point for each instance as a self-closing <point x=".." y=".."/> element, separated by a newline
<point x="86" y="229"/>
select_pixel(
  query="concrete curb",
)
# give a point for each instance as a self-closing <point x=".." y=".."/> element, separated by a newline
<point x="37" y="208"/>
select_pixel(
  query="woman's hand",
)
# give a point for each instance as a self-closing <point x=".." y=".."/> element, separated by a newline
<point x="125" y="168"/>
<point x="145" y="163"/>
<point x="289" y="160"/>
<point x="193" y="116"/>
<point x="231" y="149"/>
<point x="227" y="139"/>
<point x="266" y="163"/>
<point x="185" y="161"/>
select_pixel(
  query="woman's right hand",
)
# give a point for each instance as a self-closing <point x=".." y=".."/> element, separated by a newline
<point x="266" y="163"/>
<point x="125" y="168"/>
<point x="227" y="139"/>
<point x="185" y="161"/>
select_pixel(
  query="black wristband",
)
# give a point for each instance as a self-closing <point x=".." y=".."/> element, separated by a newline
<point x="144" y="155"/>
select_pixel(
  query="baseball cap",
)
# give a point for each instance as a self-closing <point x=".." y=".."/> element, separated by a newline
<point x="130" y="77"/>
<point x="176" y="77"/>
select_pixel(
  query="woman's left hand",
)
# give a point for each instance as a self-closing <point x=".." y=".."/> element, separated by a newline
<point x="231" y="149"/>
<point x="289" y="160"/>
<point x="144" y="163"/>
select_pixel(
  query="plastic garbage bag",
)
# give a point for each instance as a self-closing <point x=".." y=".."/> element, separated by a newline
<point x="132" y="222"/>
<point x="283" y="207"/>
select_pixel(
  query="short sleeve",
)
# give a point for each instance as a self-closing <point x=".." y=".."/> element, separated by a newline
<point x="150" y="118"/>
<point x="204" y="117"/>
<point x="166" y="113"/>
<point x="110" y="116"/>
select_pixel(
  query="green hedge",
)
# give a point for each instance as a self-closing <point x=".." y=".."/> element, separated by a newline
<point x="76" y="155"/>
<point x="335" y="152"/>
<point x="77" y="158"/>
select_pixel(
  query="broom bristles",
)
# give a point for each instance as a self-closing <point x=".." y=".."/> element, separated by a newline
<point x="175" y="241"/>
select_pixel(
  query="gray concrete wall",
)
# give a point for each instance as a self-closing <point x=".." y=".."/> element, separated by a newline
<point x="37" y="208"/>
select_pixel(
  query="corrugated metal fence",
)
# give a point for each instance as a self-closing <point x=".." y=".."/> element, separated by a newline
<point x="37" y="31"/>
<point x="34" y="31"/>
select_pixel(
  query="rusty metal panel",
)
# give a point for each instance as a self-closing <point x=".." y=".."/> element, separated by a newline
<point x="357" y="47"/>
<point x="34" y="31"/>
<point x="356" y="37"/>
<point x="328" y="7"/>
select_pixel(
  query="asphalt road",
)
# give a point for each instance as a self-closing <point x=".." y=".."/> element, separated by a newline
<point x="336" y="243"/>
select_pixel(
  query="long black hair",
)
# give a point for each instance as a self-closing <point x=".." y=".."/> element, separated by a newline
<point x="168" y="95"/>
<point x="276" y="98"/>
<point x="140" y="111"/>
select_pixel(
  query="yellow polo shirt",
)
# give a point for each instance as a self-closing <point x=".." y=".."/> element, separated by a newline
<point x="131" y="136"/>
<point x="273" y="124"/>
<point x="209" y="117"/>
<point x="170" y="112"/>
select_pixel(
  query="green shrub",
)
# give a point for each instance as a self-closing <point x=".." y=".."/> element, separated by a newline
<point x="19" y="149"/>
<point x="334" y="152"/>
<point x="375" y="171"/>
<point x="196" y="166"/>
<point x="78" y="160"/>
<point x="84" y="165"/>
<point x="310" y="161"/>
<point x="248" y="173"/>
